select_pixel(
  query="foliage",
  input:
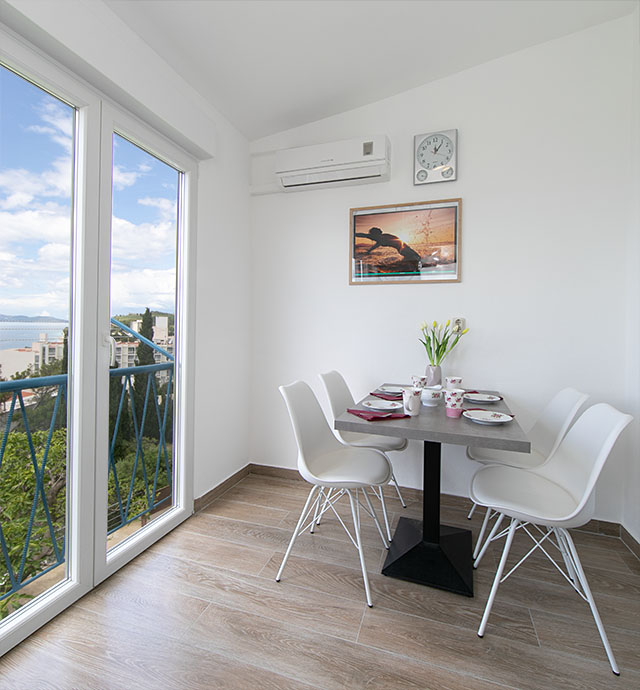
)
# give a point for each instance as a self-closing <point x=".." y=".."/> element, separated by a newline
<point x="125" y="462"/>
<point x="17" y="492"/>
<point x="18" y="475"/>
<point x="145" y="353"/>
<point x="439" y="340"/>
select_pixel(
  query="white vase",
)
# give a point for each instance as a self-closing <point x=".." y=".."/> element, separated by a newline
<point x="433" y="373"/>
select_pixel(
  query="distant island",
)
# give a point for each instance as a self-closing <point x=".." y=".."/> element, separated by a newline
<point x="21" y="318"/>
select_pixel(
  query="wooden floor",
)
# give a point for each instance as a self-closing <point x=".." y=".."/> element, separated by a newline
<point x="201" y="609"/>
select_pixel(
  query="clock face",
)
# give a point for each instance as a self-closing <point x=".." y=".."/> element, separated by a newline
<point x="434" y="151"/>
<point x="435" y="157"/>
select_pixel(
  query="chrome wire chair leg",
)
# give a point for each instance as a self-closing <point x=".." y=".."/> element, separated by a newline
<point x="566" y="556"/>
<point x="485" y="546"/>
<point x="498" y="577"/>
<point x="483" y="529"/>
<point x="355" y="513"/>
<point x="395" y="483"/>
<point x="303" y="515"/>
<point x="318" y="517"/>
<point x="589" y="597"/>
<point x="375" y="517"/>
<point x="316" y="511"/>
<point x="472" y="511"/>
<point x="384" y="512"/>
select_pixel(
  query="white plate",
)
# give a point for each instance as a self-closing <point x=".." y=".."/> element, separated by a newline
<point x="487" y="417"/>
<point x="481" y="397"/>
<point x="391" y="389"/>
<point x="385" y="405"/>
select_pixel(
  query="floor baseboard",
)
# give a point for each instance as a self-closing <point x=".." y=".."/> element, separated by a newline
<point x="217" y="491"/>
<point x="611" y="529"/>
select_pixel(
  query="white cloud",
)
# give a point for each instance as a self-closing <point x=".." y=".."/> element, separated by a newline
<point x="134" y="290"/>
<point x="56" y="303"/>
<point x="167" y="207"/>
<point x="55" y="256"/>
<point x="146" y="243"/>
<point x="124" y="178"/>
<point x="21" y="186"/>
<point x="48" y="223"/>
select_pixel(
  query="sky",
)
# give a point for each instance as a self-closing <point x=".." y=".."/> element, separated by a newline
<point x="36" y="145"/>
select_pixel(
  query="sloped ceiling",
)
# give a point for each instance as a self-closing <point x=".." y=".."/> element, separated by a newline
<point x="272" y="65"/>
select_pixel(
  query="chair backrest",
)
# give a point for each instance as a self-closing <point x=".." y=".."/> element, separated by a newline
<point x="580" y="457"/>
<point x="340" y="397"/>
<point x="553" y="422"/>
<point x="313" y="435"/>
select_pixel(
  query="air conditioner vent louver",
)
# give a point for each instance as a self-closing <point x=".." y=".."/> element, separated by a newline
<point x="355" y="161"/>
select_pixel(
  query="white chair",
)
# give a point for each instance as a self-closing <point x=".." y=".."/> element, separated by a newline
<point x="545" y="436"/>
<point x="341" y="398"/>
<point x="330" y="466"/>
<point x="545" y="502"/>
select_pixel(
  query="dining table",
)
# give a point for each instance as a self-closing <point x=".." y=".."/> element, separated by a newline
<point x="427" y="551"/>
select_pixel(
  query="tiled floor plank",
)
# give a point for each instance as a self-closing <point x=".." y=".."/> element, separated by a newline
<point x="200" y="610"/>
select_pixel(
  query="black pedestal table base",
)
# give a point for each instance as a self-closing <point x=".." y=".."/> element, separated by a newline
<point x="430" y="553"/>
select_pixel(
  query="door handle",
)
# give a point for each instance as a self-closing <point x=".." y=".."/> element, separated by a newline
<point x="110" y="341"/>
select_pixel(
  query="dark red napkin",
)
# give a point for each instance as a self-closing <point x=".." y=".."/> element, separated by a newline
<point x="388" y="396"/>
<point x="372" y="416"/>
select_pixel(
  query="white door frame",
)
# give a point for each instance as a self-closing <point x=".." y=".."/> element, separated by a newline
<point x="87" y="457"/>
<point x="116" y="120"/>
<point x="34" y="66"/>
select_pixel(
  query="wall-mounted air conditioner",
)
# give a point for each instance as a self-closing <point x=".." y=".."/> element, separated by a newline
<point x="354" y="161"/>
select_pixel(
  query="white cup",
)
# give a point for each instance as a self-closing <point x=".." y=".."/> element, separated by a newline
<point x="453" y="382"/>
<point x="431" y="396"/>
<point x="411" y="400"/>
<point x="453" y="399"/>
<point x="418" y="381"/>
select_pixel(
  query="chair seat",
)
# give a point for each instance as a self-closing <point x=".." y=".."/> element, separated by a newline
<point x="488" y="456"/>
<point x="350" y="468"/>
<point x="383" y="443"/>
<point x="531" y="498"/>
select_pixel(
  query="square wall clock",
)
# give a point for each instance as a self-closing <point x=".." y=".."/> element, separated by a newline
<point x="435" y="157"/>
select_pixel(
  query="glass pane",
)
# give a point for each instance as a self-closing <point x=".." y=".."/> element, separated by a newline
<point x="36" y="178"/>
<point x="143" y="299"/>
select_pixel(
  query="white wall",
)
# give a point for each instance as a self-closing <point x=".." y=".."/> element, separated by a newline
<point x="95" y="44"/>
<point x="547" y="181"/>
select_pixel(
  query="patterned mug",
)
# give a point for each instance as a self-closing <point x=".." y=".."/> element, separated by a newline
<point x="418" y="381"/>
<point x="453" y="382"/>
<point x="453" y="399"/>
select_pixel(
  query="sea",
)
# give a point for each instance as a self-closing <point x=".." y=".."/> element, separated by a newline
<point x="15" y="334"/>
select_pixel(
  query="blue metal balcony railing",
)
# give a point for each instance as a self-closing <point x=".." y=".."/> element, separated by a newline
<point x="140" y="462"/>
<point x="125" y="511"/>
<point x="14" y="554"/>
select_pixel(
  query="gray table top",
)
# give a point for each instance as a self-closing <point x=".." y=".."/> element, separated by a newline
<point x="432" y="424"/>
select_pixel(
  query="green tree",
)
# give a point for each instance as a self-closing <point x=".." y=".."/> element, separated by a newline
<point x="17" y="490"/>
<point x="145" y="356"/>
<point x="145" y="353"/>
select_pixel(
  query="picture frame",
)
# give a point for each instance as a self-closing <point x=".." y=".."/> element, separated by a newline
<point x="417" y="242"/>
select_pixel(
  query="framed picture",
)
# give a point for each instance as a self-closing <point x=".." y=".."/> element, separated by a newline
<point x="407" y="243"/>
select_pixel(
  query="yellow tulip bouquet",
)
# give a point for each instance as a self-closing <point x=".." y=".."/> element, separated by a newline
<point x="439" y="340"/>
